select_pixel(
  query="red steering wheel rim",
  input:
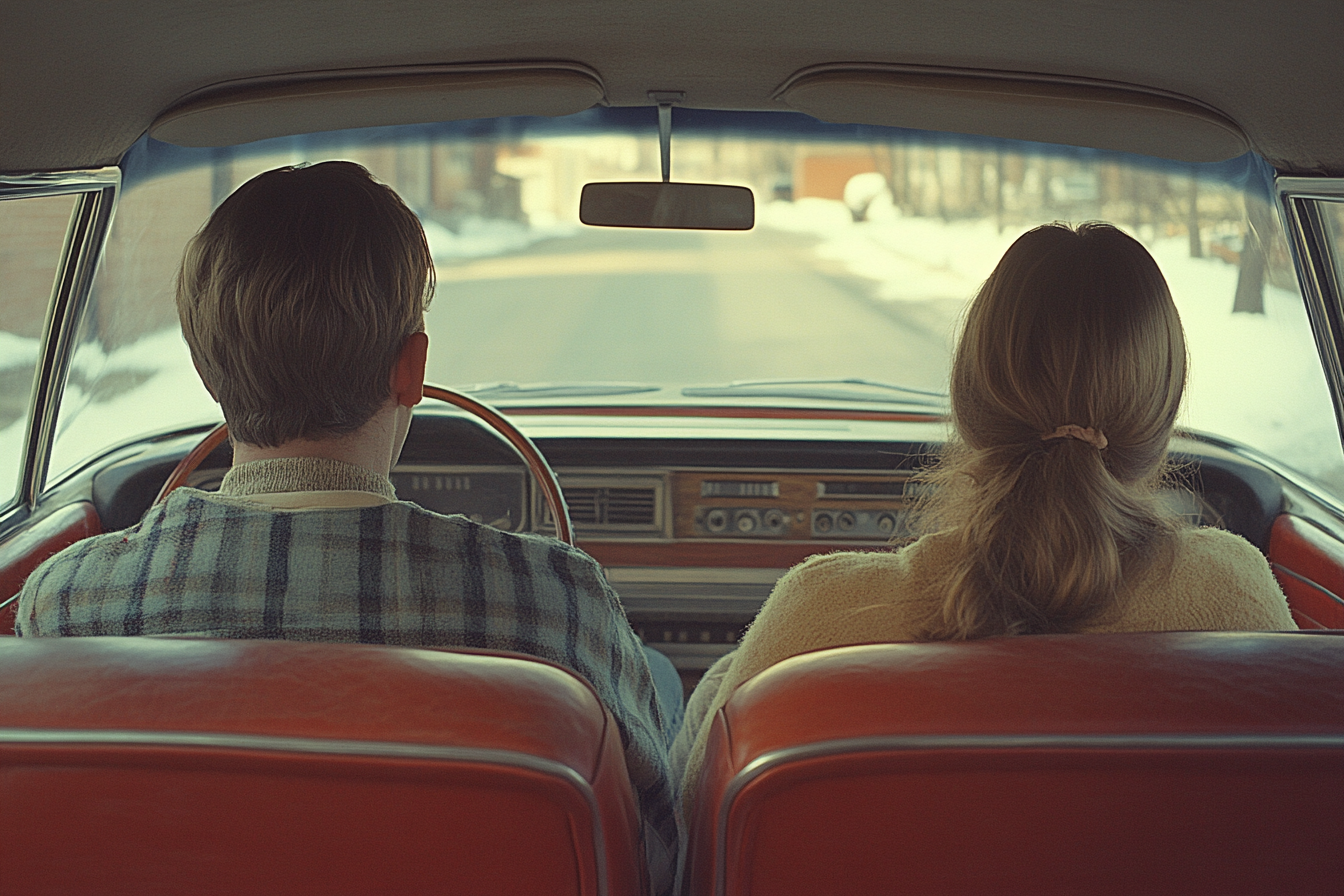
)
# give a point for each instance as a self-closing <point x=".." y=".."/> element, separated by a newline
<point x="524" y="447"/>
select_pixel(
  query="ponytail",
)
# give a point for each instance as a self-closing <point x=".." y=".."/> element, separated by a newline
<point x="1065" y="388"/>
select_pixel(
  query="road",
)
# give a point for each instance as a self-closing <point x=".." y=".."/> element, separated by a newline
<point x="676" y="307"/>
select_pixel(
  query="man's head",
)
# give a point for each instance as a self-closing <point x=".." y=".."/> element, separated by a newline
<point x="297" y="297"/>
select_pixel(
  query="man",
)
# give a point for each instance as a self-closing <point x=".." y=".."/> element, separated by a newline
<point x="302" y="301"/>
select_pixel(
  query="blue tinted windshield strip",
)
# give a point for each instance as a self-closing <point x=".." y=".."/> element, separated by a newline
<point x="149" y="158"/>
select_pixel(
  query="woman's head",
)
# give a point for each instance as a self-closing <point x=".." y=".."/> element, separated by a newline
<point x="1065" y="388"/>
<point x="1073" y="327"/>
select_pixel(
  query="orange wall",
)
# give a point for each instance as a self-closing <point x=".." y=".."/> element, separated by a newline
<point x="825" y="176"/>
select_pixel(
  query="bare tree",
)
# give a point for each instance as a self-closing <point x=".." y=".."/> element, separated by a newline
<point x="1250" y="295"/>
<point x="998" y="188"/>
<point x="1192" y="222"/>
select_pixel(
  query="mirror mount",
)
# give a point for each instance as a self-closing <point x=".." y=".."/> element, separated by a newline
<point x="665" y="99"/>
<point x="664" y="204"/>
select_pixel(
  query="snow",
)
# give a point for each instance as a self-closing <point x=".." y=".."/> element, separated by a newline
<point x="1254" y="378"/>
<point x="15" y="352"/>
<point x="11" y="450"/>
<point x="909" y="259"/>
<point x="18" y="351"/>
<point x="170" y="395"/>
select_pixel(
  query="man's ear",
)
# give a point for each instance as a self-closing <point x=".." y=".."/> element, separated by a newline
<point x="408" y="374"/>
<point x="204" y="383"/>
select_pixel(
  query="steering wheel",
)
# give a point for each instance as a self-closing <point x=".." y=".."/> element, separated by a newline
<point x="524" y="447"/>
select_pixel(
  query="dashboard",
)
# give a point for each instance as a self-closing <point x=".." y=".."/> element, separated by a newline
<point x="695" y="521"/>
<point x="672" y="503"/>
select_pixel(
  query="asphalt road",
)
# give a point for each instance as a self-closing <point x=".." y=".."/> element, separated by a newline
<point x="676" y="307"/>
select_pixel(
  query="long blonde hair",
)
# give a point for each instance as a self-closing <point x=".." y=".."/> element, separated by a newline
<point x="1073" y="328"/>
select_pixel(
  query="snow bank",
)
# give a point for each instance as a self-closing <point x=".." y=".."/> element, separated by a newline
<point x="1254" y="378"/>
<point x="908" y="259"/>
<point x="18" y="351"/>
<point x="131" y="391"/>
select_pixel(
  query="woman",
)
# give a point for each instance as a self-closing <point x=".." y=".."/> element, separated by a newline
<point x="1044" y="515"/>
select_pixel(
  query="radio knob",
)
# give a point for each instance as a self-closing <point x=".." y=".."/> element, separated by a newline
<point x="716" y="520"/>
<point x="745" y="522"/>
<point x="845" y="521"/>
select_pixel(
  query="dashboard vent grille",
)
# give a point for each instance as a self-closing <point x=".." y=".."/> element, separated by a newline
<point x="630" y="506"/>
<point x="612" y="506"/>
<point x="583" y="505"/>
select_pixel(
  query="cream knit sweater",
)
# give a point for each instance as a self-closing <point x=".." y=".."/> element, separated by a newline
<point x="1217" y="582"/>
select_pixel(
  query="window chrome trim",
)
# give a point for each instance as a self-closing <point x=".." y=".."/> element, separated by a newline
<point x="925" y="742"/>
<point x="1321" y="290"/>
<point x="56" y="183"/>
<point x="85" y="237"/>
<point x="329" y="747"/>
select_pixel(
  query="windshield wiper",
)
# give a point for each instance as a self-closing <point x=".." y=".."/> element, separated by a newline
<point x="554" y="390"/>
<point x="816" y="390"/>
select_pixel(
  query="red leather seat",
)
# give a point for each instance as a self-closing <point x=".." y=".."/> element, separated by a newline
<point x="1151" y="763"/>
<point x="170" y="765"/>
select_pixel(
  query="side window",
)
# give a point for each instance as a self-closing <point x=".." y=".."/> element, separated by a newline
<point x="1332" y="230"/>
<point x="32" y="233"/>
<point x="1332" y="213"/>
<point x="130" y="372"/>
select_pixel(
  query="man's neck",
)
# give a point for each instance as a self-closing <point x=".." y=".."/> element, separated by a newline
<point x="374" y="446"/>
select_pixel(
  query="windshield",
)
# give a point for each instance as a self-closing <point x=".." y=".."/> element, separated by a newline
<point x="847" y="294"/>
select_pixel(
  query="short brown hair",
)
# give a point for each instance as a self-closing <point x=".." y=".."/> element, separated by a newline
<point x="297" y="296"/>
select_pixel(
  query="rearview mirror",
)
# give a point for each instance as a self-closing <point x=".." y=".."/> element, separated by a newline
<point x="667" y="205"/>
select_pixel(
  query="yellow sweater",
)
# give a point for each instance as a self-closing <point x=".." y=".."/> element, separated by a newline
<point x="1217" y="582"/>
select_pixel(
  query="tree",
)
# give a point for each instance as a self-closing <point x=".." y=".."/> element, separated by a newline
<point x="1250" y="295"/>
<point x="1192" y="222"/>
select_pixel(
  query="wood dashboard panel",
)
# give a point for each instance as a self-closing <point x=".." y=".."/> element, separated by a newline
<point x="723" y="554"/>
<point x="791" y="502"/>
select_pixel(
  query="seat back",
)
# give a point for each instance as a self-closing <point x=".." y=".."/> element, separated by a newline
<point x="173" y="765"/>
<point x="1149" y="763"/>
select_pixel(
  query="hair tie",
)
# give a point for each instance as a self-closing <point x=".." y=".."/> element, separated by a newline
<point x="1093" y="437"/>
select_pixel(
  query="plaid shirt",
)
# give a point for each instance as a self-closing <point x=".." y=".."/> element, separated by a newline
<point x="394" y="573"/>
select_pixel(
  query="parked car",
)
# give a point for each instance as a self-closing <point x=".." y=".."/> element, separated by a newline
<point x="717" y="406"/>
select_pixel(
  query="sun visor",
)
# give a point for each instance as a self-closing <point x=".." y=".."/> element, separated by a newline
<point x="1076" y="113"/>
<point x="248" y="111"/>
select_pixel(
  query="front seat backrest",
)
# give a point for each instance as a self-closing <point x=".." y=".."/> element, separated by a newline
<point x="1057" y="764"/>
<point x="178" y="765"/>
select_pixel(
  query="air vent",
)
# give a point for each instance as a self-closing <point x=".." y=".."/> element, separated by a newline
<point x="612" y="504"/>
<point x="584" y="505"/>
<point x="632" y="506"/>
